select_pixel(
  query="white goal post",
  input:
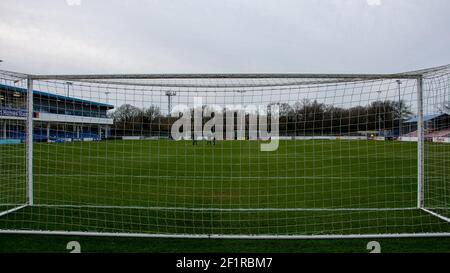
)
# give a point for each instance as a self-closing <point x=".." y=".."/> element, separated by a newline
<point x="226" y="155"/>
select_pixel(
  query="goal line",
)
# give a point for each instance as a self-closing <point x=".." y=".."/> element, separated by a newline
<point x="230" y="237"/>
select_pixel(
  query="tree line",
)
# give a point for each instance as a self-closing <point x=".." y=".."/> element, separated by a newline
<point x="306" y="117"/>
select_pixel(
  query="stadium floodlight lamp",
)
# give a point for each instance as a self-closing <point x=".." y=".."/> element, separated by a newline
<point x="169" y="95"/>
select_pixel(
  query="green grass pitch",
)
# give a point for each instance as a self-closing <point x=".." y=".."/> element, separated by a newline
<point x="166" y="187"/>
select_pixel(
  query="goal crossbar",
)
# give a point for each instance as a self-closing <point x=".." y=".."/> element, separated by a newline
<point x="404" y="75"/>
<point x="227" y="76"/>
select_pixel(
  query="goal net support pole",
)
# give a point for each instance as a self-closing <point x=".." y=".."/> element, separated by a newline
<point x="420" y="153"/>
<point x="29" y="151"/>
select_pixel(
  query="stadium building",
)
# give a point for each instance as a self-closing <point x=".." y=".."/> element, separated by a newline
<point x="56" y="118"/>
<point x="436" y="125"/>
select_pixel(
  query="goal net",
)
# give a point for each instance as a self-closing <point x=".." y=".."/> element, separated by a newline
<point x="231" y="155"/>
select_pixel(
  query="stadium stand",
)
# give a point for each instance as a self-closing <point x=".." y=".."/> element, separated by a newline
<point x="57" y="118"/>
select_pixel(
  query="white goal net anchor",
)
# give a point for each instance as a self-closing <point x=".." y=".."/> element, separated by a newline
<point x="138" y="155"/>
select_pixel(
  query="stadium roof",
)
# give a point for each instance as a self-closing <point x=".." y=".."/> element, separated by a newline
<point x="425" y="118"/>
<point x="55" y="96"/>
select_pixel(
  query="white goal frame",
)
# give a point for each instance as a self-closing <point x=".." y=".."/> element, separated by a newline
<point x="417" y="75"/>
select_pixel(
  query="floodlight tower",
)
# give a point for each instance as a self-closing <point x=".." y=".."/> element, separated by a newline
<point x="107" y="96"/>
<point x="169" y="95"/>
<point x="379" y="113"/>
<point x="68" y="88"/>
<point x="399" y="82"/>
<point x="241" y="92"/>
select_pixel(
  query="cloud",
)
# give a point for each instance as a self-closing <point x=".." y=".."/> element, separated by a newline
<point x="374" y="2"/>
<point x="163" y="36"/>
<point x="52" y="49"/>
<point x="73" y="2"/>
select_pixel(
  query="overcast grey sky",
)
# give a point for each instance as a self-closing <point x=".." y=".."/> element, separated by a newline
<point x="168" y="36"/>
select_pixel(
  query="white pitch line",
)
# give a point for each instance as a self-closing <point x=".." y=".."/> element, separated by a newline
<point x="278" y="156"/>
<point x="223" y="209"/>
<point x="225" y="236"/>
<point x="229" y="177"/>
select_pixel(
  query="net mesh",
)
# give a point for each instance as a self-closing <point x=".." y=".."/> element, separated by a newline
<point x="343" y="157"/>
